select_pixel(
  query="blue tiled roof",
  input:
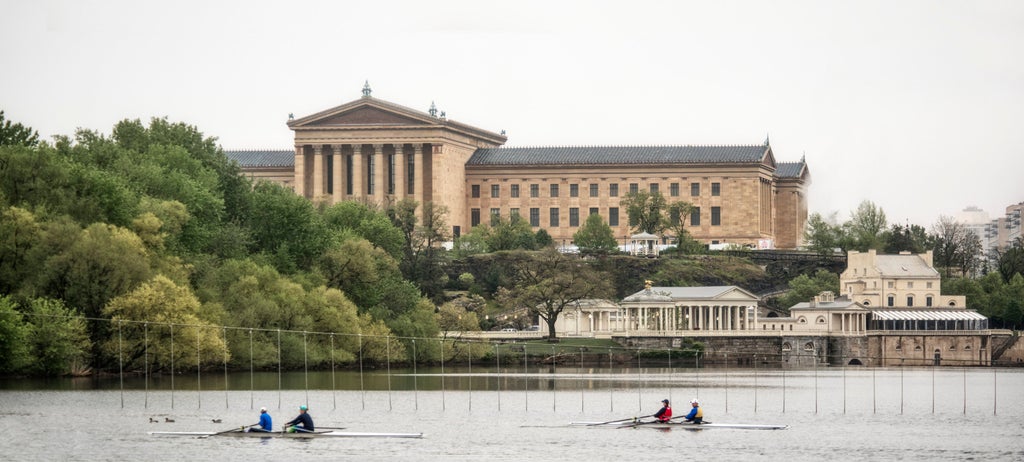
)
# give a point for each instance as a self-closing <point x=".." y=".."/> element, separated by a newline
<point x="616" y="155"/>
<point x="788" y="169"/>
<point x="262" y="158"/>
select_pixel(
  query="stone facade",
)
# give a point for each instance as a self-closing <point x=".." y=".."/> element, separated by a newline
<point x="379" y="152"/>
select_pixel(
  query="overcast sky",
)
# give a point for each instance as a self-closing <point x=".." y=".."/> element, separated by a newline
<point x="917" y="106"/>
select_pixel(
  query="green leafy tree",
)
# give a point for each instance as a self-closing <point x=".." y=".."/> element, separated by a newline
<point x="866" y="226"/>
<point x="58" y="338"/>
<point x="823" y="235"/>
<point x="644" y="210"/>
<point x="595" y="237"/>
<point x="910" y="238"/>
<point x="510" y="234"/>
<point x="803" y="288"/>
<point x="546" y="282"/>
<point x="16" y="134"/>
<point x="168" y="306"/>
<point x="20" y="232"/>
<point x="677" y="215"/>
<point x="1011" y="262"/>
<point x="14" y="333"/>
<point x="287" y="226"/>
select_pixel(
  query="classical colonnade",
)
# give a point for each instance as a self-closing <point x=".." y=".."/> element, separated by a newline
<point x="373" y="171"/>
<point x="688" y="318"/>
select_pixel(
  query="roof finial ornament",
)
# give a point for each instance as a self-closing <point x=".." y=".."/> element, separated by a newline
<point x="366" y="89"/>
<point x="647" y="285"/>
<point x="433" y="110"/>
<point x="766" y="143"/>
<point x="291" y="116"/>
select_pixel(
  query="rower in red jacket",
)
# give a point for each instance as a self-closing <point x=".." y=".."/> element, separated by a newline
<point x="665" y="413"/>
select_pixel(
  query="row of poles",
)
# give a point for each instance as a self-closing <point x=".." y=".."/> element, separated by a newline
<point x="638" y="353"/>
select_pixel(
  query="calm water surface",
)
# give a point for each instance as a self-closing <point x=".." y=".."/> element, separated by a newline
<point x="834" y="414"/>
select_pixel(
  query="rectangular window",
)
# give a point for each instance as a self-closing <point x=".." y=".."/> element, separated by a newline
<point x="634" y="188"/>
<point x="391" y="173"/>
<point x="613" y="216"/>
<point x="593" y="189"/>
<point x="495" y="217"/>
<point x="891" y="284"/>
<point x="348" y="175"/>
<point x="910" y="301"/>
<point x="928" y="301"/>
<point x="928" y="285"/>
<point x="370" y="180"/>
<point x="514" y="190"/>
<point x="534" y="217"/>
<point x="695" y="216"/>
<point x="910" y="284"/>
<point x="891" y="300"/>
<point x="654" y="188"/>
<point x="534" y="190"/>
<point x="673" y="189"/>
<point x="716" y="216"/>
<point x="554" y="190"/>
<point x="673" y="216"/>
<point x="694" y="189"/>
<point x="495" y="191"/>
<point x="716" y="189"/>
<point x="474" y="191"/>
<point x="574" y="190"/>
<point x="474" y="217"/>
<point x="574" y="216"/>
<point x="513" y="213"/>
<point x="410" y="173"/>
<point x="593" y="211"/>
<point x="553" y="217"/>
<point x="613" y="190"/>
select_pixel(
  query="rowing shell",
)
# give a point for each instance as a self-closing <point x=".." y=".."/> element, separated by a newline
<point x="683" y="425"/>
<point x="329" y="434"/>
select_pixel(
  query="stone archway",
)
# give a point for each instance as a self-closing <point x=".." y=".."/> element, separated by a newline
<point x="854" y="362"/>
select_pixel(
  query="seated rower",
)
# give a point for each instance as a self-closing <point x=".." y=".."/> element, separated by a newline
<point x="696" y="414"/>
<point x="664" y="414"/>
<point x="302" y="423"/>
<point x="265" y="425"/>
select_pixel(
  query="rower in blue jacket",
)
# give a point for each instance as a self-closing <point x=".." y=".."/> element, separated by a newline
<point x="266" y="423"/>
<point x="696" y="414"/>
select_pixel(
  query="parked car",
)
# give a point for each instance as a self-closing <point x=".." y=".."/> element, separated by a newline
<point x="508" y="329"/>
<point x="532" y="328"/>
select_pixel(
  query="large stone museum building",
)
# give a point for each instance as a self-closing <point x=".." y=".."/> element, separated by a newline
<point x="380" y="152"/>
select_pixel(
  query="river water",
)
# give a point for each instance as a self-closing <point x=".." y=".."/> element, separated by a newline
<point x="504" y="415"/>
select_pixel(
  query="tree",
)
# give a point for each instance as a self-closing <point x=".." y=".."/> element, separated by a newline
<point x="58" y="339"/>
<point x="168" y="306"/>
<point x="910" y="238"/>
<point x="16" y="134"/>
<point x="957" y="249"/>
<point x="287" y="226"/>
<point x="547" y="282"/>
<point x="866" y="226"/>
<point x="644" y="210"/>
<point x="509" y="234"/>
<point x="595" y="237"/>
<point x="1011" y="262"/>
<point x="14" y="332"/>
<point x="678" y="216"/>
<point x="803" y="288"/>
<point x="20" y="232"/>
<point x="823" y="235"/>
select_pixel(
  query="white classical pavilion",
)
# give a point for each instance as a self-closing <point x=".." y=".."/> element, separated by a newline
<point x="685" y="310"/>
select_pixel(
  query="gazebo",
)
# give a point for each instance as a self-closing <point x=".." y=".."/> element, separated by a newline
<point x="644" y="244"/>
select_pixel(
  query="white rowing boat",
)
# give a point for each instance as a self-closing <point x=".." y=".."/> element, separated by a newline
<point x="681" y="425"/>
<point x="318" y="434"/>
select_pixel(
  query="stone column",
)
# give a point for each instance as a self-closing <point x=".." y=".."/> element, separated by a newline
<point x="318" y="171"/>
<point x="400" y="180"/>
<point x="300" y="171"/>
<point x="418" y="158"/>
<point x="339" y="173"/>
<point x="358" y="191"/>
<point x="379" y="188"/>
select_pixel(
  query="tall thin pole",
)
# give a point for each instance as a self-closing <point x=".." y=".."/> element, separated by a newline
<point x="172" y="366"/>
<point x="497" y="355"/>
<point x="279" y="369"/>
<point x="611" y="389"/>
<point x="727" y="384"/>
<point x="305" y="366"/>
<point x="755" y="384"/>
<point x="252" y="381"/>
<point x="362" y="388"/>
<point x="469" y="360"/>
<point x="145" y="361"/>
<point x="415" y="383"/>
<point x="443" y="407"/>
<point x="526" y="381"/>
<point x="334" y="389"/>
<point x="199" y="369"/>
<point x="120" y="361"/>
<point x="639" y="383"/>
<point x="226" y="403"/>
<point x="554" y="393"/>
<point x="387" y="348"/>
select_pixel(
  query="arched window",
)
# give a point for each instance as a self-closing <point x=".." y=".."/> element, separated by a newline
<point x="809" y="346"/>
<point x="967" y="348"/>
<point x="866" y="303"/>
<point x="787" y="347"/>
<point x="952" y="303"/>
<point x="917" y="348"/>
<point x="801" y="320"/>
<point x="952" y="348"/>
<point x="820" y="320"/>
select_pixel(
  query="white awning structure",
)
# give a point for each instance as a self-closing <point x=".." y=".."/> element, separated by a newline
<point x="928" y="315"/>
<point x="927" y="320"/>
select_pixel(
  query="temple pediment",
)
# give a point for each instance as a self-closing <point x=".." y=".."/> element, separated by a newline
<point x="365" y="112"/>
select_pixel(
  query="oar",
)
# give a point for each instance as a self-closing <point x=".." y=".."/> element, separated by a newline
<point x="318" y="427"/>
<point x="620" y="420"/>
<point x="242" y="428"/>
